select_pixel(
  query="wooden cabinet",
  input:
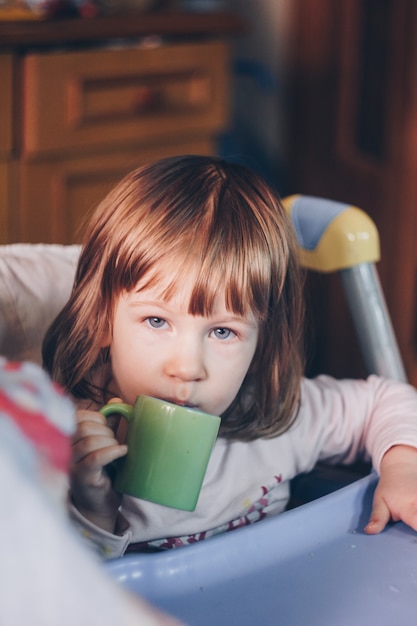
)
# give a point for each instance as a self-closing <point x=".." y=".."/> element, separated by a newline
<point x="353" y="137"/>
<point x="75" y="120"/>
<point x="91" y="116"/>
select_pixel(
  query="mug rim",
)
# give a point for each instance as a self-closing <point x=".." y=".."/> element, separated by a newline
<point x="189" y="409"/>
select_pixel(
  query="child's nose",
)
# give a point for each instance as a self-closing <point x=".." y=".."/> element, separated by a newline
<point x="186" y="362"/>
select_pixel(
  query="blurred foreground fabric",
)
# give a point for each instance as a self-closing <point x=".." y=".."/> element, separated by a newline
<point x="47" y="576"/>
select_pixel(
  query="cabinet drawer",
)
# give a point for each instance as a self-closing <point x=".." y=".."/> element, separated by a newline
<point x="82" y="100"/>
<point x="6" y="104"/>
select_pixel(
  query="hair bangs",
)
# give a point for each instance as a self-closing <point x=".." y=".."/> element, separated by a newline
<point x="243" y="285"/>
<point x="230" y="257"/>
<point x="215" y="266"/>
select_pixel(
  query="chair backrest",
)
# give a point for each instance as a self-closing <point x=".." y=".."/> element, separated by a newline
<point x="35" y="283"/>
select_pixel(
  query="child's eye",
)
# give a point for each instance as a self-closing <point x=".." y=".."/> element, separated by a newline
<point x="155" y="322"/>
<point x="223" y="333"/>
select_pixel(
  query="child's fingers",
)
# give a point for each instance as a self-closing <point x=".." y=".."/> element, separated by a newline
<point x="90" y="416"/>
<point x="98" y="458"/>
<point x="379" y="518"/>
<point x="96" y="448"/>
<point x="88" y="468"/>
<point x="91" y="428"/>
<point x="91" y="422"/>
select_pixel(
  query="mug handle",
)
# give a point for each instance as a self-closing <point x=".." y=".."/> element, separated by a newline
<point x="126" y="411"/>
<point x="118" y="408"/>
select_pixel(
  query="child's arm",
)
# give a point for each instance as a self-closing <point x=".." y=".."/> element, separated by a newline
<point x="94" y="445"/>
<point x="396" y="493"/>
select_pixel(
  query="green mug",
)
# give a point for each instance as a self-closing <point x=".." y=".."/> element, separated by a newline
<point x="169" y="447"/>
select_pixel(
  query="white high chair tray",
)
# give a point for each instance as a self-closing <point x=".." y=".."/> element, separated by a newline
<point x="313" y="565"/>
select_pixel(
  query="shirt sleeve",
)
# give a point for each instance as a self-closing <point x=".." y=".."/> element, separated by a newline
<point x="343" y="420"/>
<point x="103" y="543"/>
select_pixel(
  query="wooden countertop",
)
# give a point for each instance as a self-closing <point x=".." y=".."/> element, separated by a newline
<point x="170" y="24"/>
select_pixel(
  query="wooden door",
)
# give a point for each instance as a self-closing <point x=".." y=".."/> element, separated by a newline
<point x="352" y="136"/>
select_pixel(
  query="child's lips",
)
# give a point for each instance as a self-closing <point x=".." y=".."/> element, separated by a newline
<point x="183" y="403"/>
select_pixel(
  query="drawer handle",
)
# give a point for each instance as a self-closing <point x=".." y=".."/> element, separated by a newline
<point x="147" y="99"/>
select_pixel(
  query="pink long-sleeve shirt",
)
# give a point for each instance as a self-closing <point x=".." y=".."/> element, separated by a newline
<point x="339" y="421"/>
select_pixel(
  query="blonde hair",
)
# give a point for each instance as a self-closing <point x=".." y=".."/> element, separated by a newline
<point x="223" y="221"/>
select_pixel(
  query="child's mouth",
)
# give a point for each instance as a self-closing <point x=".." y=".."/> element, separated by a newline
<point x="186" y="405"/>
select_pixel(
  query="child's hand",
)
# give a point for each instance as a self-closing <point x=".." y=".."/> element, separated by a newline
<point x="94" y="445"/>
<point x="396" y="493"/>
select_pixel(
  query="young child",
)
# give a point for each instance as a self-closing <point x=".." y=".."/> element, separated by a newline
<point x="188" y="289"/>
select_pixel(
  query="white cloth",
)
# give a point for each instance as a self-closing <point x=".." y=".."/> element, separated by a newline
<point x="35" y="283"/>
<point x="339" y="421"/>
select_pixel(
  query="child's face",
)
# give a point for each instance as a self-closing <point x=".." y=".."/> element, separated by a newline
<point x="159" y="349"/>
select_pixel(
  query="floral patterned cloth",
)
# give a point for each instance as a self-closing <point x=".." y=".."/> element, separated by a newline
<point x="39" y="410"/>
